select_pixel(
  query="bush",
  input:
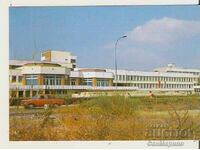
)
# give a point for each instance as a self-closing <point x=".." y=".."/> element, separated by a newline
<point x="15" y="101"/>
<point x="108" y="118"/>
<point x="116" y="105"/>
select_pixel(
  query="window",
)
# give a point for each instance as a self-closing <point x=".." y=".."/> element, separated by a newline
<point x="73" y="60"/>
<point x="31" y="80"/>
<point x="73" y="82"/>
<point x="52" y="79"/>
<point x="87" y="82"/>
<point x="102" y="82"/>
<point x="20" y="79"/>
<point x="124" y="77"/>
<point x="74" y="66"/>
<point x="14" y="78"/>
<point x="129" y="78"/>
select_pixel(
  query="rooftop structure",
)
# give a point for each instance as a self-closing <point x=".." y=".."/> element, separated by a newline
<point x="172" y="68"/>
<point x="62" y="57"/>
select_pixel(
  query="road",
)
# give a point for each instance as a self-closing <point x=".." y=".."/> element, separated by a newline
<point x="20" y="111"/>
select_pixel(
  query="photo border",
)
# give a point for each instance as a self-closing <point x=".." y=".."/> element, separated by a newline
<point x="4" y="80"/>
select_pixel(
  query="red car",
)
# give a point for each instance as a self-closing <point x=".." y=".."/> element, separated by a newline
<point x="42" y="101"/>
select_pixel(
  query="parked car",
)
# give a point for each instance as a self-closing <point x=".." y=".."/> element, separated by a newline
<point x="42" y="101"/>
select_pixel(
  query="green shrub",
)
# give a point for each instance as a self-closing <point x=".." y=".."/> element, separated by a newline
<point x="116" y="105"/>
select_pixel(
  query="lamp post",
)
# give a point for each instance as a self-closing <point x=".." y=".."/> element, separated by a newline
<point x="116" y="58"/>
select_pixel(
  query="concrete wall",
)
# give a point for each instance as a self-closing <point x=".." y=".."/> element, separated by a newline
<point x="44" y="70"/>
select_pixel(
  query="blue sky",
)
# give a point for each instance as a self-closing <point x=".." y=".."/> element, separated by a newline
<point x="157" y="35"/>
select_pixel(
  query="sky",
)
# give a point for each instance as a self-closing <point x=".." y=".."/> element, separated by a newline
<point x="156" y="35"/>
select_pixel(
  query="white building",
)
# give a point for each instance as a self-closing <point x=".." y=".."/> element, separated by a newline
<point x="154" y="80"/>
<point x="172" y="68"/>
<point x="91" y="77"/>
<point x="63" y="58"/>
<point x="56" y="71"/>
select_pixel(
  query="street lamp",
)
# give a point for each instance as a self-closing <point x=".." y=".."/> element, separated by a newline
<point x="116" y="58"/>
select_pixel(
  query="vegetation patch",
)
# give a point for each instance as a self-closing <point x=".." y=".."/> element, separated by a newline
<point x="111" y="118"/>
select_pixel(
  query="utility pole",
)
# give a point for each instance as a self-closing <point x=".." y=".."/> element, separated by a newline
<point x="116" y="59"/>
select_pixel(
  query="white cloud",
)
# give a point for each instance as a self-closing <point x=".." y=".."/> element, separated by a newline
<point x="157" y="42"/>
<point x="138" y="59"/>
<point x="164" y="31"/>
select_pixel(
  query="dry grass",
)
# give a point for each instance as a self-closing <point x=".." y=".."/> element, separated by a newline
<point x="111" y="118"/>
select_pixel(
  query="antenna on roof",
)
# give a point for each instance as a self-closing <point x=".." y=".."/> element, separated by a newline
<point x="33" y="55"/>
<point x="33" y="36"/>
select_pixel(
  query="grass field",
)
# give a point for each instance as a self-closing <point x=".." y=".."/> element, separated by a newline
<point x="111" y="118"/>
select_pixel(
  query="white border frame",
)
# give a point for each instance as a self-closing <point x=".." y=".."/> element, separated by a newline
<point x="100" y="2"/>
<point x="4" y="78"/>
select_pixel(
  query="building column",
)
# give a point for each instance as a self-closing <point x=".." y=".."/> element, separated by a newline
<point x="78" y="81"/>
<point x="17" y="93"/>
<point x="43" y="92"/>
<point x="24" y="93"/>
<point x="62" y="80"/>
<point x="67" y="82"/>
<point x="110" y="82"/>
<point x="17" y="78"/>
<point x="40" y="80"/>
<point x="23" y="80"/>
<point x="31" y="93"/>
<point x="94" y="82"/>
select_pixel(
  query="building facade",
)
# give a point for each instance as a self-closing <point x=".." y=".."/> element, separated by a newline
<point x="63" y="58"/>
<point x="153" y="80"/>
<point x="172" y="68"/>
<point x="91" y="77"/>
<point x="57" y="72"/>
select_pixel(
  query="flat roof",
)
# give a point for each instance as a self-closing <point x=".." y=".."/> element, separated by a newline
<point x="148" y="73"/>
<point x="29" y="62"/>
<point x="175" y="68"/>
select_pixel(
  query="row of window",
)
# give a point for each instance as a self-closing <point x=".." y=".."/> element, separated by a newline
<point x="197" y="90"/>
<point x="16" y="79"/>
<point x="153" y="78"/>
<point x="56" y="80"/>
<point x="52" y="79"/>
<point x="47" y="80"/>
<point x="89" y="82"/>
<point x="168" y="86"/>
<point x="194" y="73"/>
<point x="102" y="83"/>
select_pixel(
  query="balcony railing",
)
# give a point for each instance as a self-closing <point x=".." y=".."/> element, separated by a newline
<point x="68" y="87"/>
<point x="84" y="87"/>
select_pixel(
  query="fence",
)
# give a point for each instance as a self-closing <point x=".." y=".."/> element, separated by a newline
<point x="67" y="87"/>
<point x="83" y="87"/>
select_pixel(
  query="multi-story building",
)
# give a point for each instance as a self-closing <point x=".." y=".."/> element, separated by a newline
<point x="154" y="80"/>
<point x="36" y="74"/>
<point x="55" y="73"/>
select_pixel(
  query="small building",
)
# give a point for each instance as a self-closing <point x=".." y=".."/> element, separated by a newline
<point x="91" y="77"/>
<point x="63" y="58"/>
<point x="45" y="74"/>
<point x="24" y="78"/>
